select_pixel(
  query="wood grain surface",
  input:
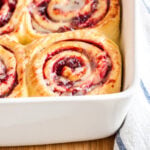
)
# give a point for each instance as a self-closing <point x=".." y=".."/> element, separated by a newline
<point x="103" y="144"/>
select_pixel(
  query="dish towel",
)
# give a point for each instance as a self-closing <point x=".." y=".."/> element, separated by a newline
<point x="135" y="132"/>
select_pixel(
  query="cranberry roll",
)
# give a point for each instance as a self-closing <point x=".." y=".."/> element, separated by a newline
<point x="12" y="69"/>
<point x="74" y="63"/>
<point x="55" y="16"/>
<point x="10" y="12"/>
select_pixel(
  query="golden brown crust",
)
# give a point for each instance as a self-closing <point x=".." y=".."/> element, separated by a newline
<point x="38" y="51"/>
<point x="13" y="56"/>
<point x="109" y="25"/>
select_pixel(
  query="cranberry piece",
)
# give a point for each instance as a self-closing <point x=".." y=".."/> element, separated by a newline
<point x="69" y="84"/>
<point x="105" y="68"/>
<point x="83" y="18"/>
<point x="1" y="3"/>
<point x="60" y="83"/>
<point x="2" y="71"/>
<point x="42" y="7"/>
<point x="76" y="21"/>
<point x="72" y="62"/>
<point x="63" y="29"/>
<point x="94" y="6"/>
<point x="4" y="18"/>
<point x="74" y="92"/>
<point x="12" y="4"/>
<point x="59" y="67"/>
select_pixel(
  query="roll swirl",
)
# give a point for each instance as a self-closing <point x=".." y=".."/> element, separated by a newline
<point x="44" y="17"/>
<point x="12" y="69"/>
<point x="76" y="63"/>
<point x="10" y="12"/>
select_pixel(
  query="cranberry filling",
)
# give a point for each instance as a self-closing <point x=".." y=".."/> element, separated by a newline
<point x="72" y="63"/>
<point x="59" y="67"/>
<point x="4" y="18"/>
<point x="106" y="68"/>
<point x="2" y="71"/>
<point x="4" y="77"/>
<point x="42" y="8"/>
<point x="11" y="88"/>
<point x="82" y="18"/>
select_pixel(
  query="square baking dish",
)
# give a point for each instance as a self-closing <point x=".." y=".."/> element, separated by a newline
<point x="45" y="120"/>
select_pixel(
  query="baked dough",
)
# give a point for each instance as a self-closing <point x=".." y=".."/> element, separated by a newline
<point x="69" y="47"/>
<point x="73" y="63"/>
<point x="10" y="13"/>
<point x="12" y="69"/>
<point x="42" y="17"/>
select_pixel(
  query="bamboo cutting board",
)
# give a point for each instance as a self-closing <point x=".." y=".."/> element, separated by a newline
<point x="103" y="144"/>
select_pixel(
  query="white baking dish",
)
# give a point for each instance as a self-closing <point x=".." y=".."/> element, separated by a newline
<point x="29" y="121"/>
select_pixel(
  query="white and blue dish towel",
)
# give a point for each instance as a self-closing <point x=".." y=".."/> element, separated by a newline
<point x="135" y="132"/>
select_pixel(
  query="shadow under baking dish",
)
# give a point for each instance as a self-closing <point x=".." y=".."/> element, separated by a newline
<point x="45" y="120"/>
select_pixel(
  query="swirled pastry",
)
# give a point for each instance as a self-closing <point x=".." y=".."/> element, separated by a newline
<point x="10" y="12"/>
<point x="12" y="69"/>
<point x="74" y="63"/>
<point x="52" y="16"/>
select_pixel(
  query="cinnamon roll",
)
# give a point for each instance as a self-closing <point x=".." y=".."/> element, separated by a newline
<point x="74" y="63"/>
<point x="55" y="16"/>
<point x="12" y="69"/>
<point x="10" y="12"/>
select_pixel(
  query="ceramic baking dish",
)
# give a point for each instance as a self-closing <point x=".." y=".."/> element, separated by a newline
<point x="29" y="121"/>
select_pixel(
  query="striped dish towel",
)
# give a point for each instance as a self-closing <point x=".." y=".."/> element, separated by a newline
<point x="135" y="132"/>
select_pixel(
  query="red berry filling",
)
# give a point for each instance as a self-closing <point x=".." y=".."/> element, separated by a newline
<point x="7" y="8"/>
<point x="2" y="71"/>
<point x="69" y="62"/>
<point x="8" y="79"/>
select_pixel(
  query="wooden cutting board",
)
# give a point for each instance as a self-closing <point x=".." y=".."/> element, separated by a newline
<point x="103" y="144"/>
